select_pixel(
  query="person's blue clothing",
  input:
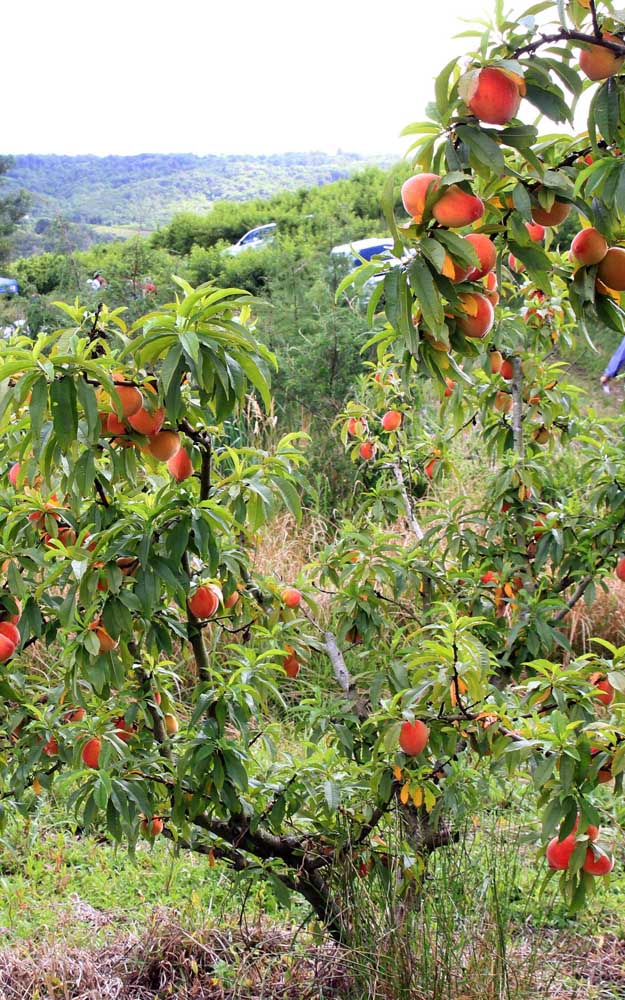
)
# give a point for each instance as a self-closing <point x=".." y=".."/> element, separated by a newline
<point x="616" y="362"/>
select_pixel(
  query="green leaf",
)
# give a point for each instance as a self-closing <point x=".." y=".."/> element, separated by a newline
<point x="606" y="110"/>
<point x="548" y="102"/>
<point x="37" y="408"/>
<point x="290" y="496"/>
<point x="441" y="87"/>
<point x="519" y="136"/>
<point x="64" y="410"/>
<point x="427" y="294"/>
<point x="522" y="201"/>
<point x="483" y="148"/>
<point x="434" y="252"/>
<point x="89" y="403"/>
<point x="388" y="202"/>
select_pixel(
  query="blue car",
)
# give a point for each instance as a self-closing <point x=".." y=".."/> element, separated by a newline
<point x="9" y="286"/>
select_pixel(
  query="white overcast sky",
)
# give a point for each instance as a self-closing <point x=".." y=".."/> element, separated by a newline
<point x="221" y="76"/>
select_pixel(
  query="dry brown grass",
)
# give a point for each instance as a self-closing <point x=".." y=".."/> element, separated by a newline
<point x="604" y="618"/>
<point x="285" y="547"/>
<point x="262" y="963"/>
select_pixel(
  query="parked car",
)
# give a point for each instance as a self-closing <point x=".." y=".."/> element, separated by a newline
<point x="9" y="286"/>
<point x="352" y="253"/>
<point x="255" y="239"/>
<point x="350" y="256"/>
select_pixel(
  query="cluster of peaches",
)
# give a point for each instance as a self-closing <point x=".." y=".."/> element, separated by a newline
<point x="140" y="418"/>
<point x="390" y="422"/>
<point x="493" y="95"/>
<point x="560" y="852"/>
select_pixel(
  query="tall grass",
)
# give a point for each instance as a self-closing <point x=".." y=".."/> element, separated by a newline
<point x="458" y="931"/>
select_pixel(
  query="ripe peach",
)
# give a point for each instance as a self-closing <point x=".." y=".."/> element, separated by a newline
<point x="536" y="232"/>
<point x="591" y="831"/>
<point x="430" y="466"/>
<point x="496" y="360"/>
<point x="503" y="402"/>
<point x="51" y="747"/>
<point x="7" y="648"/>
<point x="479" y="324"/>
<point x="231" y="600"/>
<point x="291" y="597"/>
<point x="152" y="828"/>
<point x="147" y="421"/>
<point x="598" y="63"/>
<point x="493" y="96"/>
<point x="366" y="450"/>
<point x="413" y="737"/>
<point x="589" y="247"/>
<point x="414" y="192"/>
<point x="506" y="370"/>
<point x="456" y="208"/>
<point x="130" y="399"/>
<point x="14" y="472"/>
<point x="603" y="685"/>
<point x="74" y="715"/>
<point x="107" y="643"/>
<point x="490" y="577"/>
<point x="515" y="265"/>
<point x="611" y="270"/>
<point x="123" y="730"/>
<point x="180" y="465"/>
<point x="204" y="602"/>
<point x="164" y="445"/>
<point x="597" y="862"/>
<point x="486" y="252"/>
<point x="114" y="425"/>
<point x="620" y="569"/>
<point x="450" y="385"/>
<point x="559" y="852"/>
<point x="11" y="632"/>
<point x="91" y="753"/>
<point x="391" y="420"/>
<point x="355" y="427"/>
<point x="490" y="283"/>
<point x="171" y="724"/>
<point x="551" y="216"/>
<point x="291" y="663"/>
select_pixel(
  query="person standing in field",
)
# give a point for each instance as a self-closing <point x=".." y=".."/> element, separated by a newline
<point x="615" y="365"/>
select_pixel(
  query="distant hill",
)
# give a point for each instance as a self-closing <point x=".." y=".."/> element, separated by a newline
<point x="71" y="195"/>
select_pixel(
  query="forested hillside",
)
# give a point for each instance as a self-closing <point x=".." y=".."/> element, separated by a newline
<point x="95" y="196"/>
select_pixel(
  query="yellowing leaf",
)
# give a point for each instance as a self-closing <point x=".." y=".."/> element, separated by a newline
<point x="430" y="800"/>
<point x="449" y="271"/>
<point x="211" y="859"/>
<point x="404" y="795"/>
<point x="469" y="304"/>
<point x="397" y="772"/>
<point x="417" y="797"/>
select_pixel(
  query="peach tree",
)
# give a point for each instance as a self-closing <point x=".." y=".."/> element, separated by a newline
<point x="151" y="673"/>
<point x="471" y="332"/>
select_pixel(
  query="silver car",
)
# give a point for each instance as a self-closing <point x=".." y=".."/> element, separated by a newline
<point x="255" y="239"/>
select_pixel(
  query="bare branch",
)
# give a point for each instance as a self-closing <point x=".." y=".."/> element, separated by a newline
<point x="415" y="527"/>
